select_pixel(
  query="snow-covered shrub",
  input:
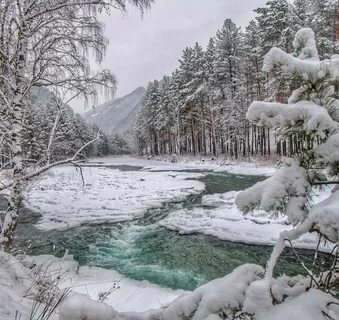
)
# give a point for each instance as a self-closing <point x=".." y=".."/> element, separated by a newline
<point x="28" y="291"/>
<point x="287" y="188"/>
<point x="44" y="290"/>
<point x="221" y="297"/>
<point x="311" y="115"/>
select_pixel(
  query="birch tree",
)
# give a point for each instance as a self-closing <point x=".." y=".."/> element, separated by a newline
<point x="44" y="44"/>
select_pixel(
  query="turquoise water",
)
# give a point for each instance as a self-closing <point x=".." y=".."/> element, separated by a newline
<point x="143" y="250"/>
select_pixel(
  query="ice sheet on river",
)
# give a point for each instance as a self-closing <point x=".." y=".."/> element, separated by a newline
<point x="107" y="196"/>
<point x="219" y="217"/>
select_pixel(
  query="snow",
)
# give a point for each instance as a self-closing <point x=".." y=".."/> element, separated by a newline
<point x="107" y="196"/>
<point x="310" y="305"/>
<point x="325" y="216"/>
<point x="221" y="295"/>
<point x="279" y="115"/>
<point x="289" y="63"/>
<point x="295" y="300"/>
<point x="289" y="184"/>
<point x="244" y="289"/>
<point x="222" y="219"/>
<point x="78" y="307"/>
<point x="132" y="295"/>
<point x="328" y="152"/>
<point x="258" y="297"/>
<point x="16" y="289"/>
<point x="183" y="164"/>
<point x="12" y="288"/>
<point x="304" y="42"/>
<point x="18" y="286"/>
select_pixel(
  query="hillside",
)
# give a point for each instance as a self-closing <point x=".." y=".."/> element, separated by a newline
<point x="116" y="116"/>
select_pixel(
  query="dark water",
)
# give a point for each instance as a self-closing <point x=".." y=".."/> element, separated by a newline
<point x="143" y="250"/>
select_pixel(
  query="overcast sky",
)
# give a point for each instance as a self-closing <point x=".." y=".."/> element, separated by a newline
<point x="144" y="49"/>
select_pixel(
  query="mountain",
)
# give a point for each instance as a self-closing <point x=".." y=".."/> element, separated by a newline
<point x="118" y="115"/>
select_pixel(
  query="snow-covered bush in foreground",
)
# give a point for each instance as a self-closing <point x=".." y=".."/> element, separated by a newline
<point x="29" y="292"/>
<point x="312" y="117"/>
<point x="288" y="187"/>
<point x="219" y="297"/>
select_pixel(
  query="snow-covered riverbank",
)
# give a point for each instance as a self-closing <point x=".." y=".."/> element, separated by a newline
<point x="183" y="164"/>
<point x="21" y="279"/>
<point x="123" y="294"/>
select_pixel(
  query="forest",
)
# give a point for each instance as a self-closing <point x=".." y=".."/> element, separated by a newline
<point x="200" y="109"/>
<point x="51" y="129"/>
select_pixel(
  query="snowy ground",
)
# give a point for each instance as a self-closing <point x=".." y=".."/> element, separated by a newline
<point x="45" y="276"/>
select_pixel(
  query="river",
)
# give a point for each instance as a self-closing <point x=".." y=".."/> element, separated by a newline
<point x="143" y="250"/>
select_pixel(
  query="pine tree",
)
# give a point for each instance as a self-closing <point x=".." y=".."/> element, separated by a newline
<point x="228" y="46"/>
<point x="274" y="22"/>
<point x="301" y="14"/>
<point x="311" y="115"/>
<point x="323" y="22"/>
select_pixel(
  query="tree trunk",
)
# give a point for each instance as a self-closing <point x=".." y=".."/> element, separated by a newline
<point x="13" y="212"/>
<point x="193" y="132"/>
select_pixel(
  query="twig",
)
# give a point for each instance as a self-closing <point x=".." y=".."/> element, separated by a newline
<point x="81" y="172"/>
<point x="302" y="263"/>
<point x="315" y="259"/>
<point x="55" y="164"/>
<point x="325" y="182"/>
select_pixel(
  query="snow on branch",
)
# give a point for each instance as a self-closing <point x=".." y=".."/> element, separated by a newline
<point x="286" y="189"/>
<point x="307" y="63"/>
<point x="328" y="152"/>
<point x="325" y="217"/>
<point x="304" y="43"/>
<point x="277" y="56"/>
<point x="310" y="305"/>
<point x="278" y="115"/>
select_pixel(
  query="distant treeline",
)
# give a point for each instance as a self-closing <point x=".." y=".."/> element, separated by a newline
<point x="43" y="115"/>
